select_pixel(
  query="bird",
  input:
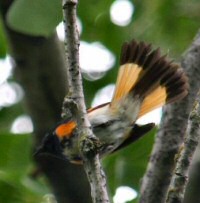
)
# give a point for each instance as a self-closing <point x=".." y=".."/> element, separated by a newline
<point x="146" y="80"/>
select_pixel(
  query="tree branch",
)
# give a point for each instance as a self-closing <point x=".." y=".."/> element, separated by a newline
<point x="180" y="176"/>
<point x="87" y="141"/>
<point x="171" y="133"/>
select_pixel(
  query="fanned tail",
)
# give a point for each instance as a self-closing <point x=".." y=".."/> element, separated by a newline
<point x="147" y="75"/>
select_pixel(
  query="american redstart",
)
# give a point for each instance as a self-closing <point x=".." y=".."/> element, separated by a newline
<point x="146" y="80"/>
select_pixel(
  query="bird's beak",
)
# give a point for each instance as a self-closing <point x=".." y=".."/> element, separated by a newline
<point x="42" y="152"/>
<point x="39" y="152"/>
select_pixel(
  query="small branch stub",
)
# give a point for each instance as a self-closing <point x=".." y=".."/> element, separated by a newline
<point x="69" y="108"/>
<point x="89" y="146"/>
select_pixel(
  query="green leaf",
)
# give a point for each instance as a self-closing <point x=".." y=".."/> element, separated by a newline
<point x="38" y="17"/>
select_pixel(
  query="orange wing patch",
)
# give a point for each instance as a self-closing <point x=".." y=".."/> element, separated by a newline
<point x="65" y="129"/>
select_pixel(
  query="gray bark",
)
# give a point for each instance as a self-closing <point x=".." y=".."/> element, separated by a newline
<point x="88" y="143"/>
<point x="171" y="132"/>
<point x="184" y="158"/>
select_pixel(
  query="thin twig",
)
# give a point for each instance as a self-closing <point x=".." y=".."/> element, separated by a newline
<point x="180" y="177"/>
<point x="171" y="133"/>
<point x="75" y="99"/>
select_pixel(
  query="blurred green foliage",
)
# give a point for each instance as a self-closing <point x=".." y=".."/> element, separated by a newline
<point x="168" y="24"/>
<point x="126" y="167"/>
<point x="16" y="184"/>
<point x="35" y="17"/>
<point x="2" y="42"/>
